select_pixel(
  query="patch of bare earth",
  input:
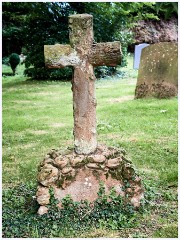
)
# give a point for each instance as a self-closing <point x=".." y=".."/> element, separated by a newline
<point x="39" y="132"/>
<point x="22" y="101"/>
<point x="165" y="139"/>
<point x="114" y="136"/>
<point x="45" y="93"/>
<point x="121" y="99"/>
<point x="58" y="125"/>
<point x="28" y="145"/>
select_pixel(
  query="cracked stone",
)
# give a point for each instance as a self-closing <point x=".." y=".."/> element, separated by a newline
<point x="97" y="158"/>
<point x="66" y="170"/>
<point x="92" y="165"/>
<point x="48" y="175"/>
<point x="60" y="163"/>
<point x="43" y="195"/>
<point x="76" y="161"/>
<point x="114" y="163"/>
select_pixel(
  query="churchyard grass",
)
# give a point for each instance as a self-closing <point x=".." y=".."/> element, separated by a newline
<point x="38" y="116"/>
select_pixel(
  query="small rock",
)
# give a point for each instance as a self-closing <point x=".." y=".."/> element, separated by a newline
<point x="76" y="161"/>
<point x="65" y="152"/>
<point x="66" y="170"/>
<point x="60" y="162"/>
<point x="128" y="171"/>
<point x="48" y="160"/>
<point x="107" y="153"/>
<point x="137" y="179"/>
<point x="53" y="153"/>
<point x="128" y="190"/>
<point x="136" y="201"/>
<point x="113" y="163"/>
<point x="48" y="175"/>
<point x="42" y="210"/>
<point x="42" y="195"/>
<point x="47" y="156"/>
<point x="73" y="173"/>
<point x="92" y="165"/>
<point x="97" y="158"/>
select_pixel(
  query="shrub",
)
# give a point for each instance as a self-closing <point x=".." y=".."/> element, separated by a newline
<point x="14" y="60"/>
<point x="101" y="72"/>
<point x="5" y="61"/>
<point x="43" y="73"/>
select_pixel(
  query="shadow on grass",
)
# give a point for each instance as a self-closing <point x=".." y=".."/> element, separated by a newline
<point x="7" y="74"/>
<point x="17" y="82"/>
<point x="29" y="81"/>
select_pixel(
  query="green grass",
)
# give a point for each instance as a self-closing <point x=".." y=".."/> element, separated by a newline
<point x="38" y="116"/>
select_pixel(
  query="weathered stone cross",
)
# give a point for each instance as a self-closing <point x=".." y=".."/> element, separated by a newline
<point x="83" y="55"/>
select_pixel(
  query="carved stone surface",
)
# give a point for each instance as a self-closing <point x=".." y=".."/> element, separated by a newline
<point x="158" y="71"/>
<point x="81" y="175"/>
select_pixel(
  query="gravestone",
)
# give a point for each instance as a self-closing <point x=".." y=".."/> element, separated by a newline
<point x="158" y="72"/>
<point x="78" y="172"/>
<point x="137" y="54"/>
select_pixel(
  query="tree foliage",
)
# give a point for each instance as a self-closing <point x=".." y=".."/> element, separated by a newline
<point x="13" y="22"/>
<point x="32" y="25"/>
<point x="167" y="9"/>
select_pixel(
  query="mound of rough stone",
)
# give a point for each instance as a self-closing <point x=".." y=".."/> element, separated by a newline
<point x="80" y="175"/>
<point x="154" y="31"/>
<point x="158" y="71"/>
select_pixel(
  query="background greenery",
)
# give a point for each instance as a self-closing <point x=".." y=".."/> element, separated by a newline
<point x="28" y="26"/>
<point x="37" y="116"/>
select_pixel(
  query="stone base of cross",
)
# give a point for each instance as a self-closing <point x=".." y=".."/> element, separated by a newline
<point x="82" y="54"/>
<point x="79" y="176"/>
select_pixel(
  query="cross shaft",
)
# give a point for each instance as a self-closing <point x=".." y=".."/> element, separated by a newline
<point x="83" y="55"/>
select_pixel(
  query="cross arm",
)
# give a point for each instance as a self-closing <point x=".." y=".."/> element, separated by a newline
<point x="105" y="54"/>
<point x="59" y="56"/>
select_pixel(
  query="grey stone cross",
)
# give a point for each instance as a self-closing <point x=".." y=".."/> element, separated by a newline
<point x="83" y="55"/>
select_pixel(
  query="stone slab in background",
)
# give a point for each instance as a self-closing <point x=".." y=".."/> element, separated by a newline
<point x="158" y="71"/>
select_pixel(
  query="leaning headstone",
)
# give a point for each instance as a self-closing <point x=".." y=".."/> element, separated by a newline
<point x="158" y="71"/>
<point x="137" y="54"/>
<point x="78" y="172"/>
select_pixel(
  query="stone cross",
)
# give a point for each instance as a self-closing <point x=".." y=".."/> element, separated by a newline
<point x="83" y="54"/>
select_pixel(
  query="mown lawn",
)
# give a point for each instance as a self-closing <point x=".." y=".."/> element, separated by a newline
<point x="38" y="116"/>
